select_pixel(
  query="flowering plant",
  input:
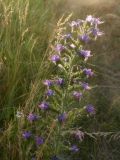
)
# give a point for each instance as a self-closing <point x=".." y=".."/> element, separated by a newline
<point x="65" y="89"/>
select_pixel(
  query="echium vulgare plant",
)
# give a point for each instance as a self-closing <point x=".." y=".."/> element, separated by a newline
<point x="64" y="91"/>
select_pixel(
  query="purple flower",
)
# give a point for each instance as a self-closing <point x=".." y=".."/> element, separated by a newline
<point x="44" y="106"/>
<point x="74" y="24"/>
<point x="96" y="21"/>
<point x="77" y="95"/>
<point x="96" y="32"/>
<point x="32" y="117"/>
<point x="90" y="109"/>
<point x="55" y="158"/>
<point x="39" y="140"/>
<point x="88" y="72"/>
<point x="93" y="21"/>
<point x="62" y="117"/>
<point x="27" y="134"/>
<point x="85" y="53"/>
<point x="79" y="135"/>
<point x="86" y="86"/>
<point x="74" y="149"/>
<point x="89" y="18"/>
<point x="55" y="58"/>
<point x="67" y="36"/>
<point x="50" y="92"/>
<point x="59" y="48"/>
<point x="48" y="83"/>
<point x="85" y="38"/>
<point x="60" y="81"/>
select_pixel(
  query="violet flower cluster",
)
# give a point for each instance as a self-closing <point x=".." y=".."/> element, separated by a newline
<point x="65" y="89"/>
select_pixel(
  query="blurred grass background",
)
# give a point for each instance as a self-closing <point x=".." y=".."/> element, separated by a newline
<point x="26" y="28"/>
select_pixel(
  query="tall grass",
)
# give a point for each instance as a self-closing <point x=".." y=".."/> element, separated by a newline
<point x="25" y="31"/>
<point x="24" y="39"/>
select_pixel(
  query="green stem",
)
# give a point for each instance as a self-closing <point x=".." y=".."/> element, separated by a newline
<point x="63" y="103"/>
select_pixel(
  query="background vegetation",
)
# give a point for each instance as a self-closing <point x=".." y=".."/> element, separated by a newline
<point x="26" y="29"/>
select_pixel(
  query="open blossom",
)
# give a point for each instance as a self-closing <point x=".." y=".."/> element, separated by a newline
<point x="48" y="83"/>
<point x="85" y="38"/>
<point x="62" y="117"/>
<point x="88" y="72"/>
<point x="96" y="32"/>
<point x="59" y="47"/>
<point x="44" y="105"/>
<point x="76" y="23"/>
<point x="74" y="149"/>
<point x="85" y="86"/>
<point x="85" y="53"/>
<point x="39" y="140"/>
<point x="93" y="20"/>
<point x="97" y="21"/>
<point x="90" y="109"/>
<point x="49" y="92"/>
<point x="59" y="81"/>
<point x="77" y="95"/>
<point x="89" y="18"/>
<point x="55" y="58"/>
<point x="27" y="134"/>
<point x="32" y="117"/>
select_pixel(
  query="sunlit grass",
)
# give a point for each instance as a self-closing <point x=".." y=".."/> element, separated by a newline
<point x="24" y="36"/>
